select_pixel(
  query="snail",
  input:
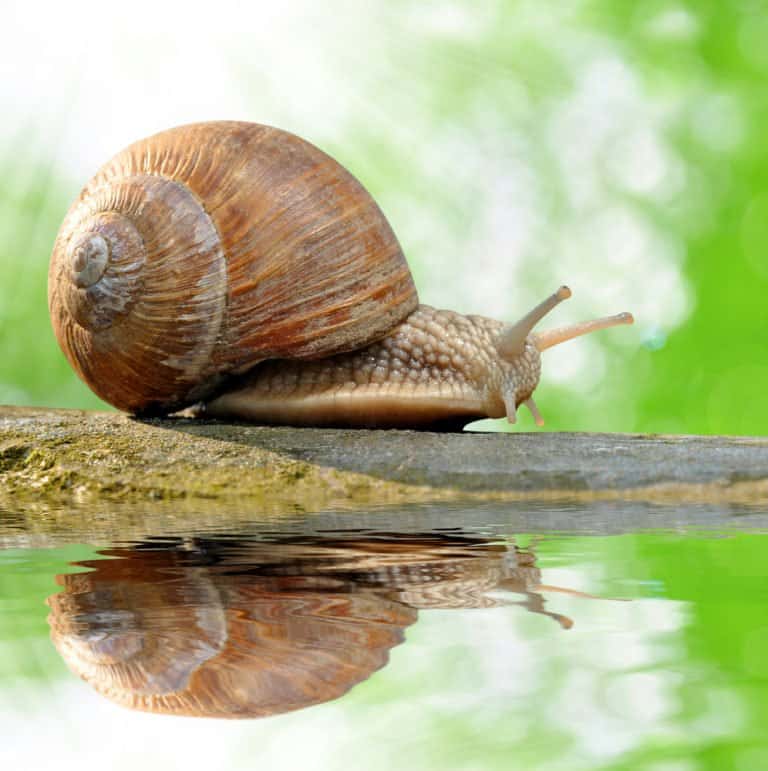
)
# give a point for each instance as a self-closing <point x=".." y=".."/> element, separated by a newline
<point x="237" y="627"/>
<point x="237" y="267"/>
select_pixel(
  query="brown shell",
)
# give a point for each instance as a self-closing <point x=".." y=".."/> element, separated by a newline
<point x="200" y="251"/>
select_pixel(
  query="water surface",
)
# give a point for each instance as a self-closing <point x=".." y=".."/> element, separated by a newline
<point x="552" y="636"/>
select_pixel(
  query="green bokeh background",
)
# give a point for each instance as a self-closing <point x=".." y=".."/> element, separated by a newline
<point x="702" y="64"/>
<point x="488" y="80"/>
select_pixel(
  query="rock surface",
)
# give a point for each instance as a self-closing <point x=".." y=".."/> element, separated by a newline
<point x="72" y="456"/>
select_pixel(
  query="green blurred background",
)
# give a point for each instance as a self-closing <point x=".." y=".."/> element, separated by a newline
<point x="615" y="145"/>
<point x="619" y="147"/>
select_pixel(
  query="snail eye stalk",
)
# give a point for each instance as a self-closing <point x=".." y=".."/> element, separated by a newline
<point x="559" y="335"/>
<point x="511" y="341"/>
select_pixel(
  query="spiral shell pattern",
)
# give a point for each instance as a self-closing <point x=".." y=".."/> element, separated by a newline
<point x="205" y="249"/>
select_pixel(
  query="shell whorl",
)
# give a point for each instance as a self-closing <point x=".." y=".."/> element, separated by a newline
<point x="124" y="251"/>
<point x="202" y="250"/>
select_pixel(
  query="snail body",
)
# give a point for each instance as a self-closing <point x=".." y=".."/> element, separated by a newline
<point x="239" y="268"/>
<point x="435" y="368"/>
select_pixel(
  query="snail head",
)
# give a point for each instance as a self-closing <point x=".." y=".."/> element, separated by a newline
<point x="520" y="348"/>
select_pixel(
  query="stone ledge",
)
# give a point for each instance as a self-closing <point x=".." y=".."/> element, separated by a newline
<point x="73" y="456"/>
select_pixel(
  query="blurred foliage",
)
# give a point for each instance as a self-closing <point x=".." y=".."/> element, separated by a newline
<point x="442" y="78"/>
<point x="712" y="375"/>
<point x="32" y="204"/>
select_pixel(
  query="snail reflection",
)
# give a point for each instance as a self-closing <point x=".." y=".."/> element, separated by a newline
<point x="246" y="628"/>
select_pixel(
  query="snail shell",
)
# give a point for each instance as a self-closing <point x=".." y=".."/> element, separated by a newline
<point x="200" y="251"/>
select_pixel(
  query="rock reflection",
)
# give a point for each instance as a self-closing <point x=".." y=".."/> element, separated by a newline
<point x="228" y="627"/>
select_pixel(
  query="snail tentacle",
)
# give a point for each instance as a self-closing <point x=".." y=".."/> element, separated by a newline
<point x="531" y="405"/>
<point x="511" y="342"/>
<point x="552" y="337"/>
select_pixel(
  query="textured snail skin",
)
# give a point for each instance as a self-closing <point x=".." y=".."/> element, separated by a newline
<point x="436" y="368"/>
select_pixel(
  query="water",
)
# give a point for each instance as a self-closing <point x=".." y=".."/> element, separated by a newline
<point x="613" y="635"/>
